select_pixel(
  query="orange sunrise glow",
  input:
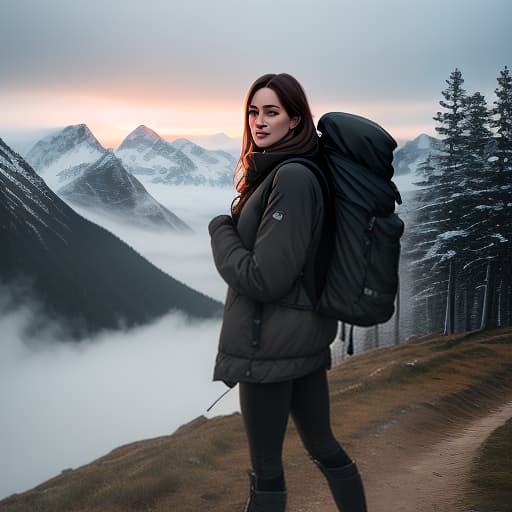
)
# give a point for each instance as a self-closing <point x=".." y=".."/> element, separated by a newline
<point x="112" y="118"/>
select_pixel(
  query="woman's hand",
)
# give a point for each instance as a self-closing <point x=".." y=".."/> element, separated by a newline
<point x="218" y="221"/>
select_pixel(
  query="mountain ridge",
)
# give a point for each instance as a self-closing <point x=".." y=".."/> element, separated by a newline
<point x="83" y="275"/>
<point x="180" y="162"/>
<point x="106" y="186"/>
<point x="152" y="157"/>
<point x="84" y="173"/>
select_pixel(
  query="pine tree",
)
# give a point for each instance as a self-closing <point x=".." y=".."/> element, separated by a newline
<point x="501" y="202"/>
<point x="502" y="123"/>
<point x="450" y="163"/>
<point x="451" y="124"/>
<point x="439" y="231"/>
<point x="421" y="249"/>
<point x="476" y="142"/>
<point x="476" y="202"/>
<point x="442" y="208"/>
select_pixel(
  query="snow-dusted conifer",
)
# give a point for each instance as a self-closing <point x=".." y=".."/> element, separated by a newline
<point x="451" y="124"/>
<point x="501" y="234"/>
<point x="448" y="182"/>
<point x="476" y="142"/>
<point x="502" y="123"/>
<point x="440" y="234"/>
<point x="463" y="205"/>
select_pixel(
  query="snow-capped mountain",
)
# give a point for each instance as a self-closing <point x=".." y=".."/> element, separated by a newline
<point x="216" y="166"/>
<point x="413" y="153"/>
<point x="217" y="141"/>
<point x="84" y="277"/>
<point x="61" y="157"/>
<point x="145" y="154"/>
<point x="79" y="169"/>
<point x="106" y="185"/>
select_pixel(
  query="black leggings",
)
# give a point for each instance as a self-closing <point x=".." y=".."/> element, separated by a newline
<point x="266" y="408"/>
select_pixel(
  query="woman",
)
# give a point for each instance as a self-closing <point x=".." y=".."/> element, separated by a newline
<point x="271" y="341"/>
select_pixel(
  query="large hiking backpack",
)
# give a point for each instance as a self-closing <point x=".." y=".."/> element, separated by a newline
<point x="362" y="232"/>
<point x="361" y="281"/>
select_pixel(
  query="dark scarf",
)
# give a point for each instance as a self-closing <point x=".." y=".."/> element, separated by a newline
<point x="262" y="165"/>
<point x="262" y="162"/>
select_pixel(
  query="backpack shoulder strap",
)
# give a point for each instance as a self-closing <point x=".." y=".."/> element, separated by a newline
<point x="316" y="264"/>
<point x="315" y="168"/>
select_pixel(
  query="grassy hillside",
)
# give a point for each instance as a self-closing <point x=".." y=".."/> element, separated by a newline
<point x="391" y="408"/>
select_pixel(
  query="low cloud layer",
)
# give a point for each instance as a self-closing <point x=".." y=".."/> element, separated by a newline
<point x="65" y="404"/>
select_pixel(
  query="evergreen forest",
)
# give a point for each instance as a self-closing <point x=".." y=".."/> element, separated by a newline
<point x="458" y="250"/>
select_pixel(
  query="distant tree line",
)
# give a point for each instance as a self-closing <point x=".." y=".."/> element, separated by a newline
<point x="460" y="246"/>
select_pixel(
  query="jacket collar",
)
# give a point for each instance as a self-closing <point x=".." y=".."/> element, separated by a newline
<point x="263" y="163"/>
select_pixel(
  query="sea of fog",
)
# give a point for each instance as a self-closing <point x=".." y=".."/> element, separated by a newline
<point x="65" y="404"/>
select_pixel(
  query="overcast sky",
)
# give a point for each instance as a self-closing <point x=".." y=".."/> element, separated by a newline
<point x="184" y="67"/>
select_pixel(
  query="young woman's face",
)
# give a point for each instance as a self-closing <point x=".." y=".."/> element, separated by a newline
<point x="268" y="120"/>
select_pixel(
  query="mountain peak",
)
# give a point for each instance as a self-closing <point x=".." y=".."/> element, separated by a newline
<point x="58" y="151"/>
<point x="142" y="131"/>
<point x="423" y="141"/>
<point x="79" y="132"/>
<point x="71" y="134"/>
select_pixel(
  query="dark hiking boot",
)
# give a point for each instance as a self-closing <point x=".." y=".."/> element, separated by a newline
<point x="346" y="487"/>
<point x="265" y="501"/>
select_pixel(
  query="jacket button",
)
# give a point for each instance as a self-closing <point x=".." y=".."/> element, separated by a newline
<point x="248" y="373"/>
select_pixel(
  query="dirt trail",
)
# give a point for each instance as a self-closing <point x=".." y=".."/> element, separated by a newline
<point x="437" y="479"/>
<point x="407" y="472"/>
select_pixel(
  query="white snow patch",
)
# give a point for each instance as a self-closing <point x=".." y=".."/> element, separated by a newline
<point x="448" y="255"/>
<point x="452" y="234"/>
<point x="53" y="173"/>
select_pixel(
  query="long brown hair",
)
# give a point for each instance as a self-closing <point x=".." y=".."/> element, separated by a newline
<point x="303" y="138"/>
